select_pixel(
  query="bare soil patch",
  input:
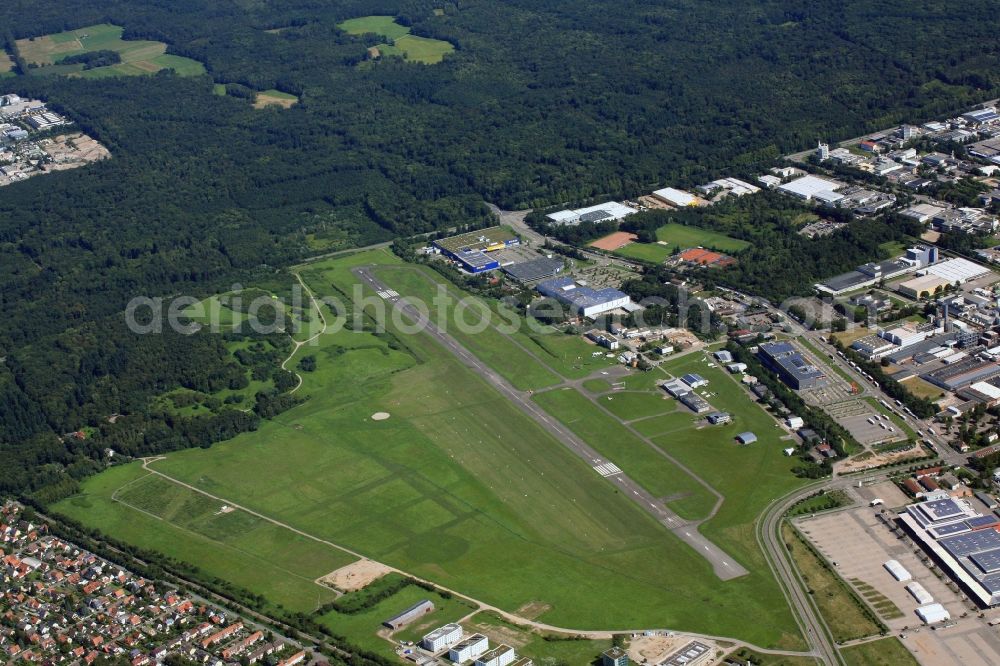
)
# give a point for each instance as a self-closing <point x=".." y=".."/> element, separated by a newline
<point x="354" y="576"/>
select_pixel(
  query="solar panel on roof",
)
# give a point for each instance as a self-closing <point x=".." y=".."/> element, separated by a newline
<point x="982" y="521"/>
<point x="991" y="583"/>
<point x="972" y="542"/>
<point x="949" y="530"/>
<point x="942" y="508"/>
<point x="988" y="561"/>
<point x="595" y="216"/>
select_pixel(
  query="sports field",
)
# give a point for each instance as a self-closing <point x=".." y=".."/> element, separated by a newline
<point x="400" y="41"/>
<point x="688" y="236"/>
<point x="653" y="253"/>
<point x="457" y="486"/>
<point x="138" y="56"/>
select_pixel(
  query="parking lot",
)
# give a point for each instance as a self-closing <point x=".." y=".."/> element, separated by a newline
<point x="860" y="543"/>
<point x="865" y="423"/>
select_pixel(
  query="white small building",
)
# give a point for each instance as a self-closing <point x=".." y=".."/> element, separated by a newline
<point x="932" y="613"/>
<point x="736" y="368"/>
<point x="795" y="422"/>
<point x="920" y="593"/>
<point x="898" y="571"/>
<point x="470" y="648"/>
<point x="442" y="637"/>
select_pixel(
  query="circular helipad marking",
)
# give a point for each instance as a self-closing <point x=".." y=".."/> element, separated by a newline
<point x="380" y="416"/>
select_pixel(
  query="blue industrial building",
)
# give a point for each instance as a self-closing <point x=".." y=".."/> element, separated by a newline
<point x="788" y="363"/>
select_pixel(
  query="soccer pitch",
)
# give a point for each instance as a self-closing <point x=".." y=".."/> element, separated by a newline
<point x="457" y="486"/>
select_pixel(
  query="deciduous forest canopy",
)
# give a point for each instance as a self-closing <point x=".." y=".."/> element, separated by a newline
<point x="542" y="102"/>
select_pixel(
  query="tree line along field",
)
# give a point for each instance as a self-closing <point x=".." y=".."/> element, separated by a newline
<point x="411" y="47"/>
<point x="138" y="57"/>
<point x="457" y="486"/>
<point x="6" y="65"/>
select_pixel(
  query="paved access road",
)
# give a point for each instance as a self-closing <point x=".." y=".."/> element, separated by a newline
<point x="725" y="567"/>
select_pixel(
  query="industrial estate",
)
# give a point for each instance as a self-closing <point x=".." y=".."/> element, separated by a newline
<point x="35" y="140"/>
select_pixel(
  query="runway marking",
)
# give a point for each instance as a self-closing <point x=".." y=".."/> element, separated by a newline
<point x="607" y="469"/>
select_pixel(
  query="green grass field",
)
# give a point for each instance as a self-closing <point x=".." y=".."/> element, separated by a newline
<point x="362" y="627"/>
<point x="687" y="236"/>
<point x="457" y="486"/>
<point x="544" y="651"/>
<point x="886" y="652"/>
<point x="641" y="462"/>
<point x="400" y="41"/>
<point x="839" y="606"/>
<point x="139" y="57"/>
<point x="629" y="406"/>
<point x="510" y="358"/>
<point x="654" y="253"/>
<point x="136" y="507"/>
<point x="6" y="65"/>
<point x="384" y="26"/>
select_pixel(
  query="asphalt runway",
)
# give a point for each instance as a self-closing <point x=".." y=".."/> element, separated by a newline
<point x="725" y="567"/>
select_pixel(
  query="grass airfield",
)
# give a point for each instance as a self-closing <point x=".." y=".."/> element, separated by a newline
<point x="457" y="486"/>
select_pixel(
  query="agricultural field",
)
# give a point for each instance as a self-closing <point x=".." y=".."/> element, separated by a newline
<point x="273" y="97"/>
<point x="457" y="486"/>
<point x="399" y="40"/>
<point x="138" y="57"/>
<point x="688" y="236"/>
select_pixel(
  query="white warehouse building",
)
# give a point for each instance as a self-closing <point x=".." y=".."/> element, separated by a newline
<point x="675" y="197"/>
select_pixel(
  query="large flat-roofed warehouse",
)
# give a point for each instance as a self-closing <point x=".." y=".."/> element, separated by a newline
<point x="790" y="365"/>
<point x="923" y="286"/>
<point x="585" y="300"/>
<point x="809" y="187"/>
<point x="472" y="249"/>
<point x="965" y="543"/>
<point x="675" y="197"/>
<point x="958" y="270"/>
<point x="534" y="270"/>
<point x="963" y="373"/>
<point x="609" y="210"/>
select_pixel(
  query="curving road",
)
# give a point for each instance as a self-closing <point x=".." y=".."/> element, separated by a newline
<point x="724" y="566"/>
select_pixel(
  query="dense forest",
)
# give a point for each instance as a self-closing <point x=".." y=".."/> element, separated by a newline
<point x="543" y="102"/>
